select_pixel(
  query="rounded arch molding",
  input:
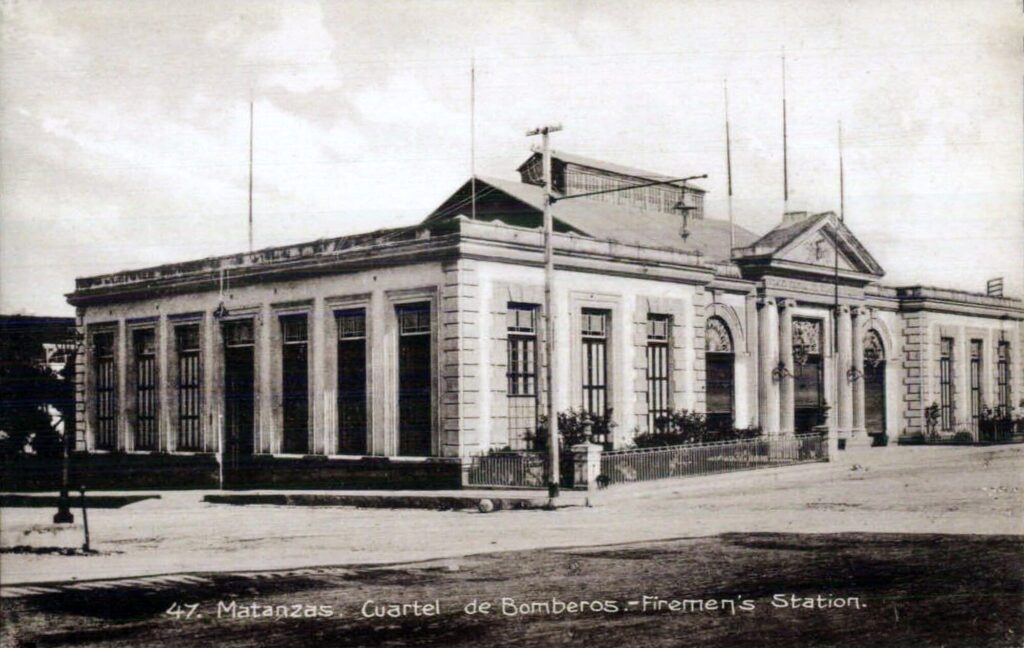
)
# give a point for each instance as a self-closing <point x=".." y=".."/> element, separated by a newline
<point x="728" y="315"/>
<point x="867" y="323"/>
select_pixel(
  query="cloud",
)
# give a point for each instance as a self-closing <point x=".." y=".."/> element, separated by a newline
<point x="297" y="56"/>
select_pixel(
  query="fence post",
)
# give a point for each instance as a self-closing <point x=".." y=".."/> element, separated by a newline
<point x="587" y="463"/>
<point x="465" y="468"/>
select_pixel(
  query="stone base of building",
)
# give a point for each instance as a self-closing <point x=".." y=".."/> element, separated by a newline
<point x="130" y="471"/>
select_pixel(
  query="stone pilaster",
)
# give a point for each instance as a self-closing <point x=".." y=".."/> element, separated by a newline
<point x="787" y="391"/>
<point x="268" y="405"/>
<point x="124" y="411"/>
<point x="320" y="406"/>
<point x="915" y="340"/>
<point x="213" y="381"/>
<point x="460" y="363"/>
<point x="767" y="360"/>
<point x="844" y="413"/>
<point x="167" y="440"/>
<point x="700" y="303"/>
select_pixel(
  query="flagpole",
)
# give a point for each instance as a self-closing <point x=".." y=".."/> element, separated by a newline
<point x="785" y="141"/>
<point x="472" y="136"/>
<point x="250" y="174"/>
<point x="728" y="170"/>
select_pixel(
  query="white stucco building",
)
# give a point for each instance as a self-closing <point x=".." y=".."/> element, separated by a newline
<point x="426" y="342"/>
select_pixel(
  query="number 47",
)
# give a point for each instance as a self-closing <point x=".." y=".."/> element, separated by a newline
<point x="177" y="610"/>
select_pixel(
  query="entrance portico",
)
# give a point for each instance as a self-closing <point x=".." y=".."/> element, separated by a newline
<point x="812" y="274"/>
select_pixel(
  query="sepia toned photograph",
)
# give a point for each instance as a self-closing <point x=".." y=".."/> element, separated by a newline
<point x="511" y="323"/>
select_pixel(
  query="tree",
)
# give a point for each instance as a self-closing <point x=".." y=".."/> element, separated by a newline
<point x="28" y="388"/>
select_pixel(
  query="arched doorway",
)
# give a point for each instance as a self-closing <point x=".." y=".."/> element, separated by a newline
<point x="720" y="365"/>
<point x="874" y="383"/>
<point x="808" y="374"/>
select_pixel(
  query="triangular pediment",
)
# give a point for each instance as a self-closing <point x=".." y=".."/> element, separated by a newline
<point x="810" y="245"/>
<point x="819" y="249"/>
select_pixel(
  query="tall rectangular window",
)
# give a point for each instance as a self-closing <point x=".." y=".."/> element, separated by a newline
<point x="658" y="370"/>
<point x="351" y="381"/>
<point x="106" y="391"/>
<point x="946" y="407"/>
<point x="976" y="355"/>
<point x="1003" y="379"/>
<point x="190" y="378"/>
<point x="295" y="384"/>
<point x="522" y="373"/>
<point x="144" y="344"/>
<point x="595" y="360"/>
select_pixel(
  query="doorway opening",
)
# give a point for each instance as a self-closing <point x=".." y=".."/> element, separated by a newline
<point x="415" y="411"/>
<point x="239" y="394"/>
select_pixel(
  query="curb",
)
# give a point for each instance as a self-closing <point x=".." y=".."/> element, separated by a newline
<point x="428" y="502"/>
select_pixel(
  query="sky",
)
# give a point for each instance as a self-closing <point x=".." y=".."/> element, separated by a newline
<point x="124" y="126"/>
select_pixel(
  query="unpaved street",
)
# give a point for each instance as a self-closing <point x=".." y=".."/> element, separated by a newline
<point x="897" y="490"/>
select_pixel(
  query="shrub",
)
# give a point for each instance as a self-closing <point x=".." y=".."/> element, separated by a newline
<point x="932" y="414"/>
<point x="916" y="438"/>
<point x="682" y="427"/>
<point x="963" y="437"/>
<point x="572" y="429"/>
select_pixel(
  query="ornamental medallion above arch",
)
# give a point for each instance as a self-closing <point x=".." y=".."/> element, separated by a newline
<point x="874" y="350"/>
<point x="733" y="327"/>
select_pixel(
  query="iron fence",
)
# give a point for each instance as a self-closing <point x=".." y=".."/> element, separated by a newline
<point x="519" y="469"/>
<point x="645" y="464"/>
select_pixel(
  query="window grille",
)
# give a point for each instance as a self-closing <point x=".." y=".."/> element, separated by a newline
<point x="351" y="324"/>
<point x="1003" y="379"/>
<point x="106" y="391"/>
<point x="144" y="343"/>
<point x="414" y="319"/>
<point x="595" y="361"/>
<point x="522" y="373"/>
<point x="658" y="369"/>
<point x="946" y="382"/>
<point x="189" y="387"/>
<point x="294" y="329"/>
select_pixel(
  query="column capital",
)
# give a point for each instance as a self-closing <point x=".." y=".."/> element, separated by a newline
<point x="766" y="301"/>
<point x="785" y="303"/>
<point x="843" y="309"/>
<point x="859" y="311"/>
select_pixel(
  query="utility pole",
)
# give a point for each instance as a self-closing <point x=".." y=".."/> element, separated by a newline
<point x="549" y="313"/>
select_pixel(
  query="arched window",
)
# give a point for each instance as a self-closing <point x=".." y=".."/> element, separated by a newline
<point x="874" y="383"/>
<point x="719" y="363"/>
<point x="874" y="350"/>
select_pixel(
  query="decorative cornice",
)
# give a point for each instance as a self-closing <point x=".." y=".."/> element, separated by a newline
<point x="925" y="298"/>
